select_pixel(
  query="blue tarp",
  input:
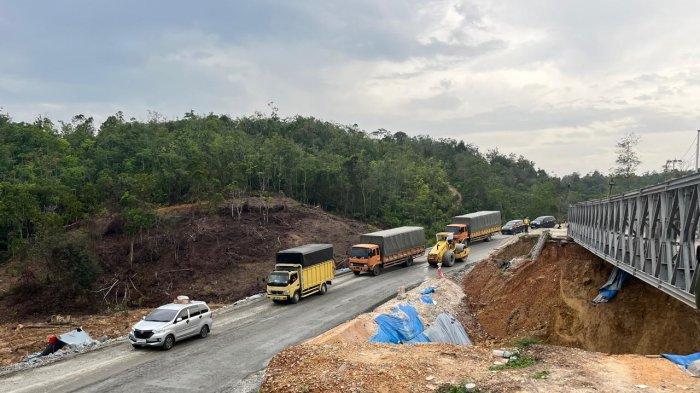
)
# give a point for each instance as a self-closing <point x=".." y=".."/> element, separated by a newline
<point x="428" y="290"/>
<point x="401" y="326"/>
<point x="682" y="360"/>
<point x="612" y="286"/>
<point x="427" y="299"/>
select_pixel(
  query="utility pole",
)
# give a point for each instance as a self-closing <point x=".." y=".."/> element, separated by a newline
<point x="697" y="152"/>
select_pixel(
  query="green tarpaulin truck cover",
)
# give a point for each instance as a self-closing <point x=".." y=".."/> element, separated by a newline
<point x="479" y="220"/>
<point x="306" y="255"/>
<point x="395" y="240"/>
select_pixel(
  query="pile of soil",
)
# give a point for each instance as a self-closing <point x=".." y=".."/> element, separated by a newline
<point x="207" y="254"/>
<point x="446" y="299"/>
<point x="550" y="299"/>
<point x="365" y="367"/>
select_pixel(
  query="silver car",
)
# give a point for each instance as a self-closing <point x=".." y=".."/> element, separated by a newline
<point x="170" y="323"/>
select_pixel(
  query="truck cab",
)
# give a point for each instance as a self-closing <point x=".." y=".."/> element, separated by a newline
<point x="364" y="258"/>
<point x="283" y="283"/>
<point x="460" y="232"/>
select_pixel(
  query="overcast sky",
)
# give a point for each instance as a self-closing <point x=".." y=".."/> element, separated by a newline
<point x="557" y="81"/>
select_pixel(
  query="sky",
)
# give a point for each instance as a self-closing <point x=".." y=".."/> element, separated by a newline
<point x="558" y="82"/>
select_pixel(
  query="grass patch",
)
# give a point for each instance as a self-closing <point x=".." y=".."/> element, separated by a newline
<point x="458" y="388"/>
<point x="544" y="374"/>
<point x="526" y="342"/>
<point x="521" y="361"/>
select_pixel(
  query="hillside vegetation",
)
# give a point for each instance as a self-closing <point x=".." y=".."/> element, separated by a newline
<point x="55" y="178"/>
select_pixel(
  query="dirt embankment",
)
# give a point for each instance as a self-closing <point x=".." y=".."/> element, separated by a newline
<point x="551" y="299"/>
<point x="210" y="255"/>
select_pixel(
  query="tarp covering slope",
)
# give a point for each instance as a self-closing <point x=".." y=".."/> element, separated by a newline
<point x="612" y="286"/>
<point x="682" y="360"/>
<point x="401" y="326"/>
<point x="447" y="329"/>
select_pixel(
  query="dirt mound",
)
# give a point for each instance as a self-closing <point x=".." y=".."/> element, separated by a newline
<point x="195" y="250"/>
<point x="447" y="298"/>
<point x="365" y="367"/>
<point x="551" y="299"/>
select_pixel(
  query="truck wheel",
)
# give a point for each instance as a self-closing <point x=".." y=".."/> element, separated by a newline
<point x="323" y="289"/>
<point x="448" y="259"/>
<point x="433" y="265"/>
<point x="295" y="298"/>
<point x="357" y="273"/>
<point x="487" y="238"/>
<point x="377" y="270"/>
<point x="409" y="261"/>
<point x="276" y="301"/>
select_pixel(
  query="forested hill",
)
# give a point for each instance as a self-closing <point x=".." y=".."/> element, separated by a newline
<point x="52" y="176"/>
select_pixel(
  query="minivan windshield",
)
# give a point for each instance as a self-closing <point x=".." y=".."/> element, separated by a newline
<point x="541" y="218"/>
<point x="451" y="229"/>
<point x="359" y="252"/>
<point x="278" y="279"/>
<point x="161" y="315"/>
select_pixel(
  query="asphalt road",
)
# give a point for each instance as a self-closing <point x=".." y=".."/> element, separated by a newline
<point x="243" y="340"/>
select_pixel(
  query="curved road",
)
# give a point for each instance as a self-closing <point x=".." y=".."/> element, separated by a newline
<point x="243" y="340"/>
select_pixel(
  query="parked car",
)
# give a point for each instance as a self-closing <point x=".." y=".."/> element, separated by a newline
<point x="170" y="323"/>
<point x="543" y="222"/>
<point x="512" y="227"/>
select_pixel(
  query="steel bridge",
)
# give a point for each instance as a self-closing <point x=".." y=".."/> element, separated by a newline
<point x="650" y="233"/>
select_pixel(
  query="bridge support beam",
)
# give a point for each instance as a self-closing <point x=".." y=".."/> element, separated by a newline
<point x="650" y="233"/>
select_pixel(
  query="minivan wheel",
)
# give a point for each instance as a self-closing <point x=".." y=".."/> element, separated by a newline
<point x="169" y="343"/>
<point x="204" y="331"/>
<point x="295" y="298"/>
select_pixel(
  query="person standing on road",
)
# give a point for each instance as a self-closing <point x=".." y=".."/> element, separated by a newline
<point x="527" y="224"/>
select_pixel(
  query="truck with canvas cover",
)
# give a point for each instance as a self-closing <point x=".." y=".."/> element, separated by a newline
<point x="300" y="272"/>
<point x="476" y="226"/>
<point x="379" y="250"/>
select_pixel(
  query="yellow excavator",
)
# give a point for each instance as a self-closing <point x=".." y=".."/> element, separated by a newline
<point x="446" y="251"/>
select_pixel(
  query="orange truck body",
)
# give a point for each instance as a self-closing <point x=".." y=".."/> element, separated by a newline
<point x="388" y="248"/>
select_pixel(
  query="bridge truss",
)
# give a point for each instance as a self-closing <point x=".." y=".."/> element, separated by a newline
<point x="650" y="233"/>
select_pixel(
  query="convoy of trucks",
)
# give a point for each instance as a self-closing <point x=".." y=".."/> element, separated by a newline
<point x="309" y="269"/>
<point x="300" y="272"/>
<point x="379" y="250"/>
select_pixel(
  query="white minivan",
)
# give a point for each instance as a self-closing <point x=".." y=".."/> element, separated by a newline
<point x="170" y="323"/>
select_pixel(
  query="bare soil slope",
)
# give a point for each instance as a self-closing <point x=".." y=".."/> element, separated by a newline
<point x="210" y="255"/>
<point x="551" y="299"/>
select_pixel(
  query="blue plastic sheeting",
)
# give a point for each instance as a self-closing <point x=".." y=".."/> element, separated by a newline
<point x="427" y="299"/>
<point x="682" y="360"/>
<point x="401" y="326"/>
<point x="428" y="290"/>
<point x="612" y="286"/>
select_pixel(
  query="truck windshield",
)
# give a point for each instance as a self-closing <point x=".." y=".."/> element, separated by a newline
<point x="359" y="252"/>
<point x="278" y="279"/>
<point x="451" y="229"/>
<point x="161" y="315"/>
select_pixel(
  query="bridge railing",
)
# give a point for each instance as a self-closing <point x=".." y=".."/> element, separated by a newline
<point x="650" y="233"/>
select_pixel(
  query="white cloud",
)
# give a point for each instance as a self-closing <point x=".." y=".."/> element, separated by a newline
<point x="558" y="81"/>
